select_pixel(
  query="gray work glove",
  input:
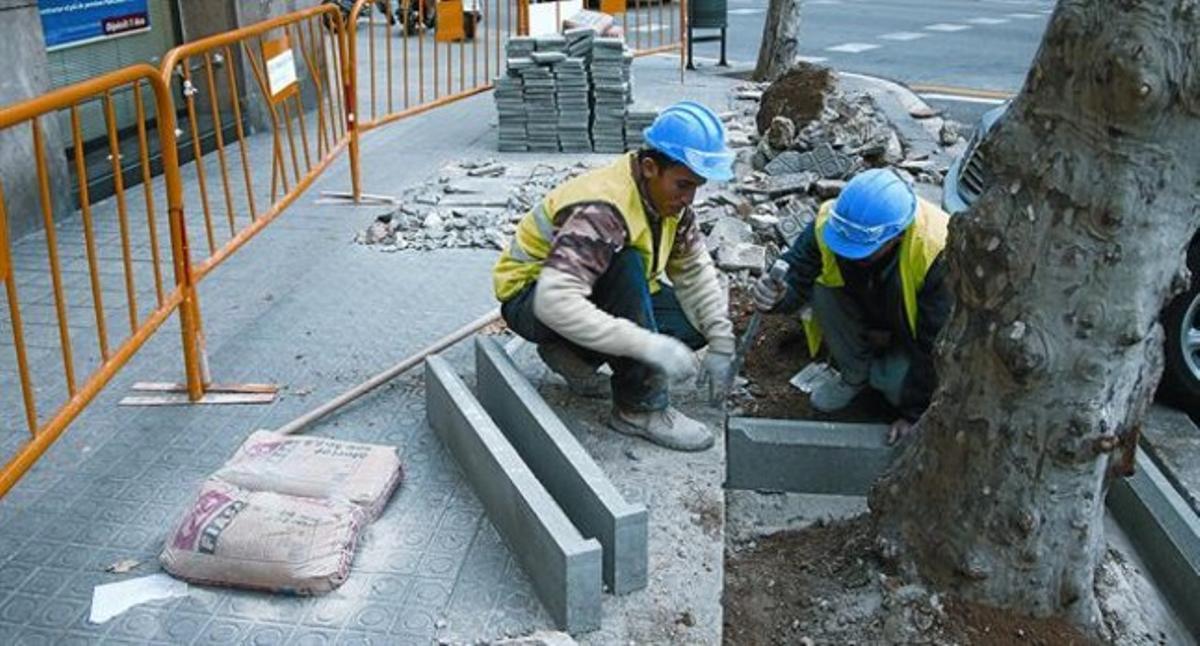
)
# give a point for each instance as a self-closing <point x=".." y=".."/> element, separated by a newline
<point x="770" y="288"/>
<point x="718" y="372"/>
<point x="671" y="356"/>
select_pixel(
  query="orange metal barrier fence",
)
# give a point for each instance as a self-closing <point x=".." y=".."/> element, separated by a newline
<point x="285" y="77"/>
<point x="108" y="270"/>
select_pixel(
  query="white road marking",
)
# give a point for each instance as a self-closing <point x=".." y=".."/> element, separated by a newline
<point x="852" y="48"/>
<point x="825" y="2"/>
<point x="745" y="12"/>
<point x="811" y="59"/>
<point x="961" y="99"/>
<point x="1025" y="16"/>
<point x="903" y="36"/>
<point x="985" y="21"/>
<point x="945" y="26"/>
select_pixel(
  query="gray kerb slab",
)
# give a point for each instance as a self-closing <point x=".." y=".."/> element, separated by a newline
<point x="1166" y="532"/>
<point x="802" y="456"/>
<point x="563" y="566"/>
<point x="564" y="467"/>
<point x="833" y="458"/>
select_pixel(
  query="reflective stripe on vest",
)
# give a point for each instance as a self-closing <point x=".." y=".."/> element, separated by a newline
<point x="922" y="242"/>
<point x="521" y="261"/>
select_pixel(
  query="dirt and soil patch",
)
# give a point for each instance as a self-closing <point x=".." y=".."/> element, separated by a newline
<point x="824" y="584"/>
<point x="779" y="352"/>
<point x="798" y="95"/>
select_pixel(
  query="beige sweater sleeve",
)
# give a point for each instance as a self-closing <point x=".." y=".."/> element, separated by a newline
<point x="561" y="303"/>
<point x="704" y="300"/>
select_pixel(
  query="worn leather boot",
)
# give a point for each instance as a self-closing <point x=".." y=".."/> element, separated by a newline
<point x="667" y="427"/>
<point x="581" y="377"/>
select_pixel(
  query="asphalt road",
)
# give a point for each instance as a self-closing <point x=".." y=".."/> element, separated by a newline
<point x="971" y="44"/>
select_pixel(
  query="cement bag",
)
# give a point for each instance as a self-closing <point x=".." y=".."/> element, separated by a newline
<point x="316" y="467"/>
<point x="264" y="541"/>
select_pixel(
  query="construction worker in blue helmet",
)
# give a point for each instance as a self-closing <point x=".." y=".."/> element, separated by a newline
<point x="871" y="268"/>
<point x="582" y="278"/>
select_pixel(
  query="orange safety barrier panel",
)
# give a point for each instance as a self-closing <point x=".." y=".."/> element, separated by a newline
<point x="285" y="76"/>
<point x="93" y="277"/>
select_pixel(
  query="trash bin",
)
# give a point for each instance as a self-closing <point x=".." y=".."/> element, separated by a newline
<point x="707" y="14"/>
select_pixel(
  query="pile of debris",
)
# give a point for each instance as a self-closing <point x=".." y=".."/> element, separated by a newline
<point x="471" y="204"/>
<point x="797" y="141"/>
<point x="783" y="174"/>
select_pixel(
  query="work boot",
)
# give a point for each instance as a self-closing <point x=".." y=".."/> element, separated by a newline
<point x="667" y="427"/>
<point x="581" y="376"/>
<point x="834" y="394"/>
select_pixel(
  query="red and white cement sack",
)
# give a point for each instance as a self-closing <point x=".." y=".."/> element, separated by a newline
<point x="316" y="467"/>
<point x="264" y="540"/>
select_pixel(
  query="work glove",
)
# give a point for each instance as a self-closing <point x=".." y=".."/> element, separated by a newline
<point x="718" y="373"/>
<point x="671" y="356"/>
<point x="770" y="288"/>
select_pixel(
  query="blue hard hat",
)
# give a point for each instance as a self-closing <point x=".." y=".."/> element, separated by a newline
<point x="876" y="206"/>
<point x="692" y="135"/>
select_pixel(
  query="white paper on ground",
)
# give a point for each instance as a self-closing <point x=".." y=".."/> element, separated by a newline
<point x="812" y="376"/>
<point x="111" y="599"/>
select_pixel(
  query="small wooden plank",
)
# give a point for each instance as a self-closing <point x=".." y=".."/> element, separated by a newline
<point x="181" y="399"/>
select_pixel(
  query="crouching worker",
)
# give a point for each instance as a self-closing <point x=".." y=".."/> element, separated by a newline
<point x="871" y="267"/>
<point x="582" y="278"/>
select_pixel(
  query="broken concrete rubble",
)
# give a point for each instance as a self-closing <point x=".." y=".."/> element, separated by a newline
<point x="739" y="256"/>
<point x="472" y="204"/>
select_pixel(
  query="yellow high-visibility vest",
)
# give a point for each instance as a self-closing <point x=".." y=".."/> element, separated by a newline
<point x="521" y="262"/>
<point x="922" y="242"/>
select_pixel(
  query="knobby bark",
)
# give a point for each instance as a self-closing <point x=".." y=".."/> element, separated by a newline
<point x="1054" y="350"/>
<point x="780" y="40"/>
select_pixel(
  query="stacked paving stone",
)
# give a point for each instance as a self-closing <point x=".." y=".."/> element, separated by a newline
<point x="573" y="105"/>
<point x="636" y="121"/>
<point x="610" y="92"/>
<point x="541" y="104"/>
<point x="510" y="96"/>
<point x="510" y="104"/>
<point x="568" y="93"/>
<point x="579" y="42"/>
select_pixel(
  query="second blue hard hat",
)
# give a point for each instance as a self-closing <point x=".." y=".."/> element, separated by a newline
<point x="693" y="135"/>
<point x="876" y="206"/>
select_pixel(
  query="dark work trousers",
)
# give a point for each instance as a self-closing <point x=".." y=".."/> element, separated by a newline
<point x="621" y="291"/>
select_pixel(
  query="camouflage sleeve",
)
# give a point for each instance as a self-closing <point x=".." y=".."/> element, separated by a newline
<point x="588" y="236"/>
<point x="688" y="238"/>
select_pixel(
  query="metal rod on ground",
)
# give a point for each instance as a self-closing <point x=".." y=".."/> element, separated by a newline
<point x="389" y="374"/>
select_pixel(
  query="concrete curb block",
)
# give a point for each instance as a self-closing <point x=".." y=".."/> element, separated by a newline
<point x="832" y="458"/>
<point x="1166" y="533"/>
<point x="563" y="566"/>
<point x="564" y="467"/>
<point x="804" y="456"/>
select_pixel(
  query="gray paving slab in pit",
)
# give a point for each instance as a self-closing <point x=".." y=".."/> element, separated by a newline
<point x="564" y="566"/>
<point x="303" y="307"/>
<point x="563" y="466"/>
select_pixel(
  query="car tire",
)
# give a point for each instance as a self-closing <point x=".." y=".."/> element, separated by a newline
<point x="1181" y="322"/>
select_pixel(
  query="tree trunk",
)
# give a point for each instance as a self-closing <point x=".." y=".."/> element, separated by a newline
<point x="780" y="40"/>
<point x="1054" y="350"/>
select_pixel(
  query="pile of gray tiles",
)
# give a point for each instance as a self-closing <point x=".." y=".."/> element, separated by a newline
<point x="568" y="93"/>
<point x="610" y="91"/>
<point x="510" y="105"/>
<point x="510" y="96"/>
<point x="573" y="106"/>
<point x="636" y="121"/>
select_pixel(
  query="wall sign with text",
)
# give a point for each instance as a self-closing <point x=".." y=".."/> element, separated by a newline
<point x="75" y="22"/>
